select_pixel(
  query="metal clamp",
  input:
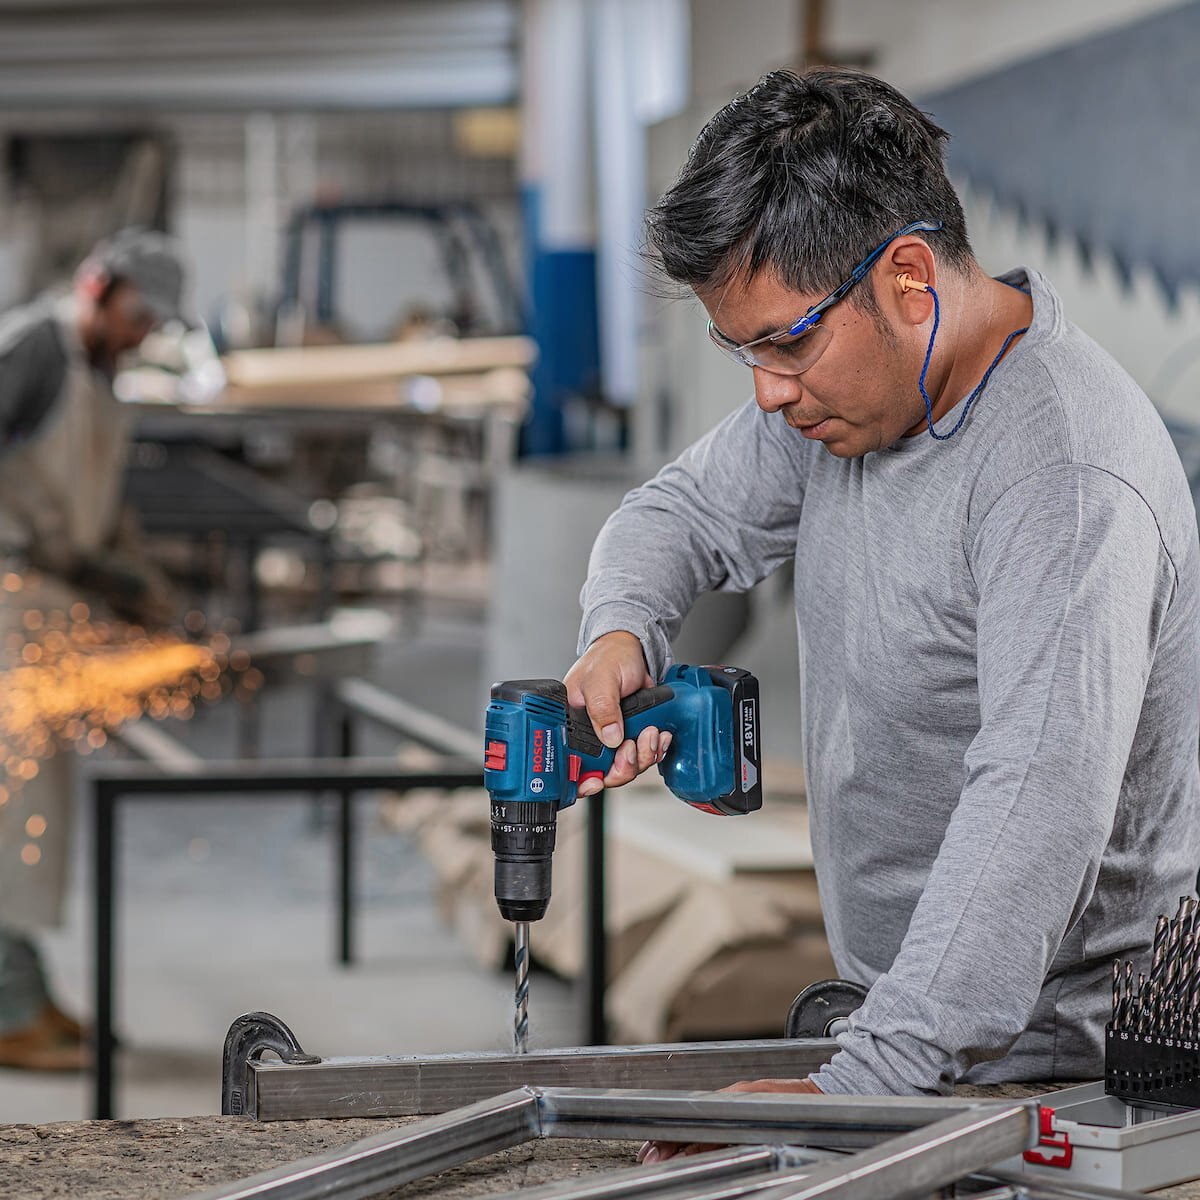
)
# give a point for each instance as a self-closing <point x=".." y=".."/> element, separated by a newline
<point x="820" y="1007"/>
<point x="248" y="1039"/>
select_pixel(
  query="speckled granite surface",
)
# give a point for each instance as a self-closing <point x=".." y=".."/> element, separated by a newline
<point x="171" y="1158"/>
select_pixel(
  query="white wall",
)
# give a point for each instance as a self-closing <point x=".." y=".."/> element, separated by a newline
<point x="733" y="44"/>
<point x="925" y="44"/>
<point x="1159" y="346"/>
<point x="916" y="44"/>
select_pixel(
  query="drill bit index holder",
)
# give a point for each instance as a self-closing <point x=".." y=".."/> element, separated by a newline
<point x="1152" y="1042"/>
<point x="1151" y="1069"/>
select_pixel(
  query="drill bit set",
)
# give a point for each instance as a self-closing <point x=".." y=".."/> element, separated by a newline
<point x="1152" y="1043"/>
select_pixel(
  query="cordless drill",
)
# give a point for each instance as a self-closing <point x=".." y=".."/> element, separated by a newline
<point x="538" y="751"/>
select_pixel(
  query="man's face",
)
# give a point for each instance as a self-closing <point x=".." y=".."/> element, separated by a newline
<point x="860" y="394"/>
<point x="120" y="323"/>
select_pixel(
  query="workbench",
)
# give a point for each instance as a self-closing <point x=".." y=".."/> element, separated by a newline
<point x="172" y="1157"/>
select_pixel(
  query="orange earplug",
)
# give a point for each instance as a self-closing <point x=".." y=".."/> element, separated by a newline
<point x="909" y="284"/>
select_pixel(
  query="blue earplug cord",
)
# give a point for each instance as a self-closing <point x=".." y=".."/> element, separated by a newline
<point x="937" y="318"/>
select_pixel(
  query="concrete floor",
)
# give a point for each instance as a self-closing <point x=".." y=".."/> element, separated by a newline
<point x="226" y="906"/>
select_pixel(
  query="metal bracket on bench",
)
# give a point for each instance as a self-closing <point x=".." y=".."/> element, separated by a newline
<point x="248" y="1039"/>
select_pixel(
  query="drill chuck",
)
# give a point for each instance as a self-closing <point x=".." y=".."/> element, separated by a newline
<point x="523" y="843"/>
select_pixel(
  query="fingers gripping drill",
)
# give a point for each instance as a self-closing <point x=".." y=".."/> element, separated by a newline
<point x="538" y="751"/>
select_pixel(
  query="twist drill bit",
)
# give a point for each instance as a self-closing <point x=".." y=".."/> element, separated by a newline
<point x="1150" y="1019"/>
<point x="1146" y="1011"/>
<point x="1187" y="952"/>
<point x="1194" y="1000"/>
<point x="1189" y="913"/>
<point x="1161" y="928"/>
<point x="1187" y="991"/>
<point x="1187" y="962"/>
<point x="1121" y="1012"/>
<point x="1140" y="1000"/>
<point x="1171" y="958"/>
<point x="521" y="995"/>
<point x="1116" y="994"/>
<point x="1162" y="1012"/>
<point x="1165" y="1010"/>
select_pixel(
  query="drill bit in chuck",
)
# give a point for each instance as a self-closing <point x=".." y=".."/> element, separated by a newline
<point x="521" y="995"/>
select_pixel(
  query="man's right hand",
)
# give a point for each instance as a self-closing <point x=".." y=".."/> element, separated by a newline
<point x="613" y="667"/>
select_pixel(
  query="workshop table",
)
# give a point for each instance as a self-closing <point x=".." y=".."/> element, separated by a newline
<point x="171" y="1157"/>
<point x="193" y="492"/>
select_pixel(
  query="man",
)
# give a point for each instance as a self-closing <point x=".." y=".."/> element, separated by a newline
<point x="997" y="583"/>
<point x="63" y="438"/>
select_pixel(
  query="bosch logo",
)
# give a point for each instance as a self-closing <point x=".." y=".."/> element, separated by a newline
<point x="539" y="750"/>
<point x="536" y="785"/>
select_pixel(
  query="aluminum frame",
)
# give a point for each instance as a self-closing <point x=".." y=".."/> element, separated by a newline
<point x="902" y="1148"/>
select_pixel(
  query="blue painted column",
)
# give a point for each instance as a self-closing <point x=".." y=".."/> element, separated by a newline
<point x="557" y="190"/>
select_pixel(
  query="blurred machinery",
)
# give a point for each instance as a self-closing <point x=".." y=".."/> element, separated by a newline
<point x="332" y="469"/>
<point x="485" y="298"/>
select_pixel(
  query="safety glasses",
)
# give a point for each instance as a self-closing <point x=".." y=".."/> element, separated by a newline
<point x="797" y="346"/>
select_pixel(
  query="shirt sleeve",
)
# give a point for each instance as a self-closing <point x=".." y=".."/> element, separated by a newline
<point x="1073" y="584"/>
<point x="32" y="371"/>
<point x="720" y="517"/>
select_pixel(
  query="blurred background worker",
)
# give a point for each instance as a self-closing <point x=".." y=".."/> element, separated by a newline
<point x="63" y="441"/>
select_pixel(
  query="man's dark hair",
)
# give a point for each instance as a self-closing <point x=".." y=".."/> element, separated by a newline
<point x="110" y="285"/>
<point x="805" y="175"/>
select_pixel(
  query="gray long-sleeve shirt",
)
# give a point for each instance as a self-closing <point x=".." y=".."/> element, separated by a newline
<point x="1000" y="686"/>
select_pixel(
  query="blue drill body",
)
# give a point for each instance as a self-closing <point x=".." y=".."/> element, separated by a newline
<point x="538" y="751"/>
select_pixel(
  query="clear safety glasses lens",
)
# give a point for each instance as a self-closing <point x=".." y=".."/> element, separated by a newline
<point x="788" y="356"/>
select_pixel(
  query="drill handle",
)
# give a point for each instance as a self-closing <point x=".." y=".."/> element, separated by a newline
<point x="582" y="737"/>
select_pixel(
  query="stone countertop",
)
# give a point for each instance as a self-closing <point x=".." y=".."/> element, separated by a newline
<point x="173" y="1157"/>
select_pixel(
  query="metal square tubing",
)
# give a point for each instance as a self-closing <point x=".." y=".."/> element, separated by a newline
<point x="745" y="1118"/>
<point x="915" y="1164"/>
<point x="741" y="1170"/>
<point x="409" y="1086"/>
<point x="926" y="1144"/>
<point x="127" y="781"/>
<point x="387" y="1160"/>
<point x="751" y="1170"/>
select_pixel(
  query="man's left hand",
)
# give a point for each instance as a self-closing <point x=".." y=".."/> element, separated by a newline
<point x="655" y="1152"/>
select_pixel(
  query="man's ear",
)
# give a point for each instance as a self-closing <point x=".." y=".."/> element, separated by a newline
<point x="907" y="271"/>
